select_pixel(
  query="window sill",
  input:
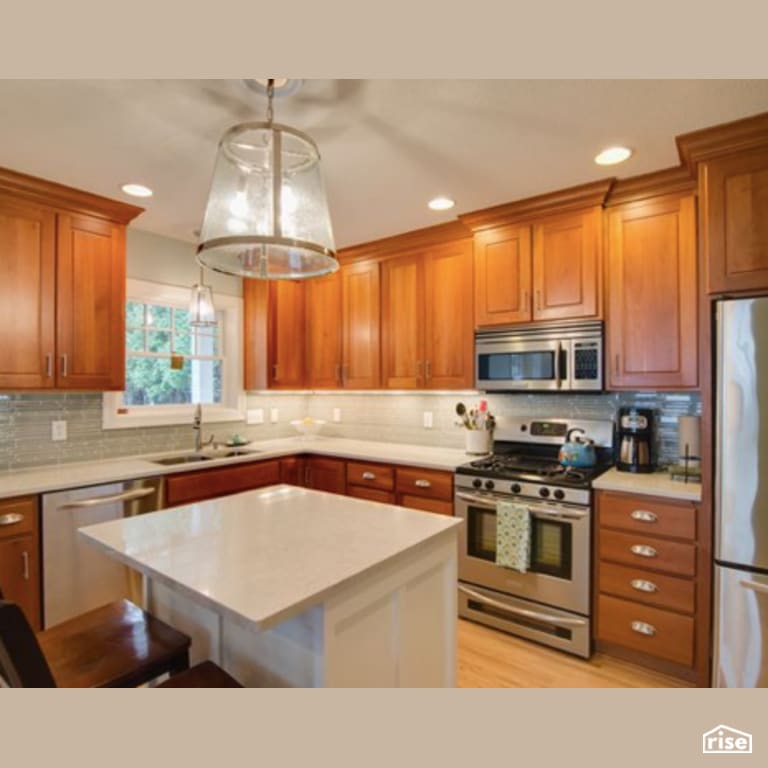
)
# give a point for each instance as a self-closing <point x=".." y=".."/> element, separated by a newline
<point x="164" y="416"/>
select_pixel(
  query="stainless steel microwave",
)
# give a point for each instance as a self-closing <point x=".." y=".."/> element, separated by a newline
<point x="562" y="357"/>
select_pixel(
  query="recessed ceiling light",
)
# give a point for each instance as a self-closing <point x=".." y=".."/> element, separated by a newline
<point x="441" y="203"/>
<point x="136" y="190"/>
<point x="613" y="155"/>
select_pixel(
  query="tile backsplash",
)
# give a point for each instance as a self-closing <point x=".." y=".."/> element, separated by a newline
<point x="25" y="420"/>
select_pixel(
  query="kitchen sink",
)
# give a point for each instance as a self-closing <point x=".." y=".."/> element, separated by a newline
<point x="191" y="458"/>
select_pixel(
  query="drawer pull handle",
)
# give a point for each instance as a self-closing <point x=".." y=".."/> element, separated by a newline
<point x="11" y="518"/>
<point x="422" y="483"/>
<point x="643" y="585"/>
<point x="25" y="565"/>
<point x="643" y="550"/>
<point x="644" y="516"/>
<point x="369" y="476"/>
<point x="643" y="628"/>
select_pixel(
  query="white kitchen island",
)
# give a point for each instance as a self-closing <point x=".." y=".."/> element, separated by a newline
<point x="286" y="586"/>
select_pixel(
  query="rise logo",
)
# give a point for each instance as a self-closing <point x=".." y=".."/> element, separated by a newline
<point x="723" y="740"/>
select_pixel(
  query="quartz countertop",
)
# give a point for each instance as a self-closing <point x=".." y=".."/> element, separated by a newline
<point x="77" y="474"/>
<point x="650" y="484"/>
<point x="266" y="555"/>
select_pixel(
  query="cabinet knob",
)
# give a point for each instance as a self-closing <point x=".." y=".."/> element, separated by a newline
<point x="643" y="550"/>
<point x="644" y="516"/>
<point x="11" y="518"/>
<point x="422" y="483"/>
<point x="643" y="585"/>
<point x="643" y="628"/>
<point x="369" y="476"/>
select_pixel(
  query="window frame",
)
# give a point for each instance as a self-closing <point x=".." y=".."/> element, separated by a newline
<point x="232" y="407"/>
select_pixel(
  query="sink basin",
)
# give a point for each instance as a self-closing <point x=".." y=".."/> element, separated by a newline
<point x="181" y="459"/>
<point x="191" y="458"/>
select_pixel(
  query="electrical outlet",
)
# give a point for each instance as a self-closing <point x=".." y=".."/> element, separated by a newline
<point x="58" y="430"/>
<point x="337" y="415"/>
<point x="254" y="416"/>
<point x="274" y="415"/>
<point x="427" y="419"/>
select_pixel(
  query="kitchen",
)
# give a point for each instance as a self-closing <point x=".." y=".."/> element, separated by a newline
<point x="377" y="355"/>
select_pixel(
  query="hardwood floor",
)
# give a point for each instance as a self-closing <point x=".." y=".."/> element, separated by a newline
<point x="488" y="658"/>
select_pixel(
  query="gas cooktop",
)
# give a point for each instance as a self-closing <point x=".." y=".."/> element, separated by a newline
<point x="532" y="468"/>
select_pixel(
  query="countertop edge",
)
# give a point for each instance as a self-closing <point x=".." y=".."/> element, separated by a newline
<point x="651" y="484"/>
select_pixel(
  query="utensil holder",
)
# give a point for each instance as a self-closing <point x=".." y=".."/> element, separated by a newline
<point x="478" y="441"/>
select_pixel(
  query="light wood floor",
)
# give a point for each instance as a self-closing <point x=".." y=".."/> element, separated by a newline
<point x="488" y="658"/>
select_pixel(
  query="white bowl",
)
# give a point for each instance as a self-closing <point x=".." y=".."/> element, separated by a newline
<point x="308" y="427"/>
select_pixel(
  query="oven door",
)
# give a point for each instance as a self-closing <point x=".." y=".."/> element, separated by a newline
<point x="531" y="365"/>
<point x="560" y="552"/>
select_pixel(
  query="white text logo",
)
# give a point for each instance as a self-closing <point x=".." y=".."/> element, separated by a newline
<point x="722" y="740"/>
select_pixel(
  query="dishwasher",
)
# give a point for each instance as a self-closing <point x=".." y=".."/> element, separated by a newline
<point x="76" y="576"/>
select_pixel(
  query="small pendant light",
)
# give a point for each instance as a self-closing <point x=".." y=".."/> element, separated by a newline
<point x="267" y="216"/>
<point x="202" y="313"/>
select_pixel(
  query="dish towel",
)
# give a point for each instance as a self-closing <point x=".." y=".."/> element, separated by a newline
<point x="513" y="536"/>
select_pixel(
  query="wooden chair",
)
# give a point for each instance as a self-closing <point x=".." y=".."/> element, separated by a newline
<point x="117" y="645"/>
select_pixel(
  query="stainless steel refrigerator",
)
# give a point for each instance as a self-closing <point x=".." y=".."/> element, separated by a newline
<point x="741" y="495"/>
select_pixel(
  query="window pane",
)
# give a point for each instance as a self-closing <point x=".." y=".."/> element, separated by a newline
<point x="206" y="381"/>
<point x="158" y="317"/>
<point x="135" y="341"/>
<point x="181" y="319"/>
<point x="158" y="341"/>
<point x="182" y="343"/>
<point x="152" y="381"/>
<point x="134" y="314"/>
<point x="207" y="341"/>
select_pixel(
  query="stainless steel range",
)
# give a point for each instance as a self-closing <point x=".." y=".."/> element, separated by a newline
<point x="550" y="602"/>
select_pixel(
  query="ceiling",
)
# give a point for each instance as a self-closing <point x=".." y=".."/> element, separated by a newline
<point x="387" y="146"/>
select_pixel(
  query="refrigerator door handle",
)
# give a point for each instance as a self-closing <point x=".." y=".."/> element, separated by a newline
<point x="754" y="586"/>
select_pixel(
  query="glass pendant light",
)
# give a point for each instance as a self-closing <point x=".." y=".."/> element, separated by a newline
<point x="202" y="313"/>
<point x="267" y="216"/>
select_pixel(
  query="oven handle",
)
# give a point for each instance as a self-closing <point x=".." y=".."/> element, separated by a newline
<point x="534" y="509"/>
<point x="558" y="382"/>
<point x="558" y="621"/>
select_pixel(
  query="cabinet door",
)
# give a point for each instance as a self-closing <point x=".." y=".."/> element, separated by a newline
<point x="189" y="487"/>
<point x="20" y="575"/>
<point x="286" y="335"/>
<point x="323" y="332"/>
<point x="502" y="276"/>
<point x="735" y="213"/>
<point x="566" y="258"/>
<point x="402" y="326"/>
<point x="324" y="474"/>
<point x="652" y="295"/>
<point x="27" y="295"/>
<point x="292" y="470"/>
<point x="90" y="310"/>
<point x="449" y="332"/>
<point x="361" y="323"/>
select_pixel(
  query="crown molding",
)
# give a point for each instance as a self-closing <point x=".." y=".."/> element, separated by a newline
<point x="707" y="143"/>
<point x="678" y="180"/>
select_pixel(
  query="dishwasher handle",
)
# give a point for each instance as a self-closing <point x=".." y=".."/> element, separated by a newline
<point x="138" y="493"/>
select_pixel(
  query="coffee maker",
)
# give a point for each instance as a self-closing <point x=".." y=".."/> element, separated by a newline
<point x="635" y="440"/>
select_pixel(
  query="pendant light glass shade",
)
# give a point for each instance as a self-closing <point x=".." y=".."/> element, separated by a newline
<point x="202" y="313"/>
<point x="267" y="215"/>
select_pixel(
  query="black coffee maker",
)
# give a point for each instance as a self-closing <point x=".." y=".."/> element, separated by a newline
<point x="635" y="440"/>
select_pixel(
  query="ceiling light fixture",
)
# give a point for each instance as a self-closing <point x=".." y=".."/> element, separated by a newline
<point x="441" y="203"/>
<point x="613" y="155"/>
<point x="202" y="313"/>
<point x="136" y="190"/>
<point x="267" y="215"/>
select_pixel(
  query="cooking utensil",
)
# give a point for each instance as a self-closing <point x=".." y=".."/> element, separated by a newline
<point x="577" y="452"/>
<point x="462" y="411"/>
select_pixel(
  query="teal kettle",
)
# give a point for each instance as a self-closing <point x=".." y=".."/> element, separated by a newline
<point x="577" y="451"/>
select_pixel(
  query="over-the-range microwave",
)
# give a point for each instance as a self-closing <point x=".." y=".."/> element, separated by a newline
<point x="563" y="357"/>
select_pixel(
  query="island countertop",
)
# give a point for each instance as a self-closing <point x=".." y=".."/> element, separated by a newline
<point x="264" y="556"/>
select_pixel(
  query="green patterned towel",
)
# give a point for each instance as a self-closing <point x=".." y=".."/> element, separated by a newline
<point x="513" y="536"/>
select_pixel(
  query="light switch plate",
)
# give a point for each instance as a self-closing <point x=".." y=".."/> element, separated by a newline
<point x="58" y="430"/>
<point x="274" y="415"/>
<point x="337" y="415"/>
<point x="254" y="416"/>
<point x="427" y="419"/>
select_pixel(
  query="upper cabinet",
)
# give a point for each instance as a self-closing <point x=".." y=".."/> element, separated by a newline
<point x="323" y="332"/>
<point x="427" y="333"/>
<point x="652" y="290"/>
<point x="361" y="325"/>
<point x="62" y="296"/>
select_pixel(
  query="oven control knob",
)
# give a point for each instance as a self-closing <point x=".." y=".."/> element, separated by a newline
<point x="515" y="488"/>
<point x="477" y="483"/>
<point x="559" y="494"/>
<point x="489" y="485"/>
<point x="543" y="492"/>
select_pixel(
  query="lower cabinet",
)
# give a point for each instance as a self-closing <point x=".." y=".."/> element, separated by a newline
<point x="292" y="470"/>
<point x="651" y="584"/>
<point x="325" y="474"/>
<point x="373" y="482"/>
<point x="430" y="490"/>
<point x="20" y="555"/>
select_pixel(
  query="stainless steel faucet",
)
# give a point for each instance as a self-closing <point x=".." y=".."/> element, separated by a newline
<point x="197" y="427"/>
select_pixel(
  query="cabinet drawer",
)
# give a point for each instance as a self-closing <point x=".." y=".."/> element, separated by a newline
<point x="207" y="484"/>
<point x="648" y="514"/>
<point x="438" y="506"/>
<point x="429" y="483"/>
<point x="648" y="552"/>
<point x="648" y="587"/>
<point x="18" y="516"/>
<point x="648" y="630"/>
<point x="371" y="494"/>
<point x="370" y="475"/>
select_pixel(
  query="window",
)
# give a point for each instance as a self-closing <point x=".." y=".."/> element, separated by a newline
<point x="171" y="366"/>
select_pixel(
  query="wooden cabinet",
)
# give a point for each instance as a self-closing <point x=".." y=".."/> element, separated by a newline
<point x="652" y="326"/>
<point x="325" y="474"/>
<point x="19" y="555"/>
<point x="430" y="490"/>
<point x="650" y="585"/>
<point x="323" y="332"/>
<point x="427" y="338"/>
<point x="292" y="470"/>
<point x="63" y="257"/>
<point x="374" y="482"/>
<point x="189" y="487"/>
<point x="734" y="194"/>
<point x="361" y="325"/>
<point x="545" y="270"/>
